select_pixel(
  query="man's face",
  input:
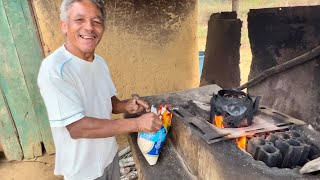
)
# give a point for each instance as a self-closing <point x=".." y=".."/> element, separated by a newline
<point x="84" y="29"/>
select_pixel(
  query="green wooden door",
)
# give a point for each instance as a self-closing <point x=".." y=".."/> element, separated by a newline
<point x="21" y="103"/>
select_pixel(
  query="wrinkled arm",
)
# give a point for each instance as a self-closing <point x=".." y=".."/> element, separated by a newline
<point x="118" y="106"/>
<point x="88" y="127"/>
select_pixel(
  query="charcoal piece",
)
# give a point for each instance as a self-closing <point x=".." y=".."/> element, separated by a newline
<point x="305" y="140"/>
<point x="270" y="155"/>
<point x="294" y="134"/>
<point x="277" y="136"/>
<point x="297" y="150"/>
<point x="254" y="146"/>
<point x="301" y="140"/>
<point x="314" y="153"/>
<point x="283" y="135"/>
<point x="299" y="137"/>
<point x="272" y="138"/>
<point x="304" y="154"/>
<point x="291" y="151"/>
<point x="284" y="149"/>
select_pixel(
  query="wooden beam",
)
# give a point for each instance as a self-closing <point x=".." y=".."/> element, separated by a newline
<point x="282" y="67"/>
<point x="235" y="5"/>
<point x="30" y="48"/>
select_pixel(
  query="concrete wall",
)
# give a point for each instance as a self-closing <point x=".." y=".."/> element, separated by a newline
<point x="150" y="45"/>
<point x="278" y="35"/>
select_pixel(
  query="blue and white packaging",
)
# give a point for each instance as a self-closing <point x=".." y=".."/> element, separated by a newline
<point x="151" y="144"/>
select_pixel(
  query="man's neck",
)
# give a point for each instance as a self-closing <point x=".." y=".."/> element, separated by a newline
<point x="84" y="56"/>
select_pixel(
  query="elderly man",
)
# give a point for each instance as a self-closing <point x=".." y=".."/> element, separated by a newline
<point x="80" y="96"/>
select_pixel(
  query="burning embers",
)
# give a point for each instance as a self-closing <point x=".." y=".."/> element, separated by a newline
<point x="233" y="109"/>
<point x="283" y="149"/>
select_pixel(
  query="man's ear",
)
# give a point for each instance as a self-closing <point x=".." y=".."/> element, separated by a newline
<point x="63" y="27"/>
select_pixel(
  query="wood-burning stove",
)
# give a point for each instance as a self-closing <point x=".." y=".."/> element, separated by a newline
<point x="195" y="149"/>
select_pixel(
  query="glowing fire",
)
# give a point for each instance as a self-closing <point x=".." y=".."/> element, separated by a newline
<point x="241" y="141"/>
<point x="219" y="120"/>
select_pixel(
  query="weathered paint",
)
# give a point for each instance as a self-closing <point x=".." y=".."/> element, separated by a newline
<point x="150" y="46"/>
<point x="9" y="142"/>
<point x="30" y="52"/>
<point x="12" y="79"/>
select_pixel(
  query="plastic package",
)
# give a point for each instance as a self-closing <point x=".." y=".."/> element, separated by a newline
<point x="151" y="144"/>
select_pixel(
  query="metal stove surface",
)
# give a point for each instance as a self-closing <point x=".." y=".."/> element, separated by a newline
<point x="265" y="120"/>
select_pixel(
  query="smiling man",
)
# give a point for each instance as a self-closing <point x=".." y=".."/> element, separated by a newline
<point x="80" y="97"/>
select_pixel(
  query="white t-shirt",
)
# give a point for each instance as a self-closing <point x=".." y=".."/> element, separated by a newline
<point x="73" y="88"/>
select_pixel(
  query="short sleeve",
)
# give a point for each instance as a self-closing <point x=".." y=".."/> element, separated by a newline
<point x="62" y="101"/>
<point x="112" y="88"/>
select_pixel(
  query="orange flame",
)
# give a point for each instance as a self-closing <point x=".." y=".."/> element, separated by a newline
<point x="218" y="121"/>
<point x="241" y="141"/>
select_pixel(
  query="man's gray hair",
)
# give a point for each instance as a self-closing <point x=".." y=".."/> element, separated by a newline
<point x="66" y="4"/>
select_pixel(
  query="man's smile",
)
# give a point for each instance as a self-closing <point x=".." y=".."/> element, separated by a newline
<point x="87" y="37"/>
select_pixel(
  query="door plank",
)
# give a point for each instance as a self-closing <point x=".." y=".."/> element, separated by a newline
<point x="8" y="136"/>
<point x="15" y="89"/>
<point x="30" y="55"/>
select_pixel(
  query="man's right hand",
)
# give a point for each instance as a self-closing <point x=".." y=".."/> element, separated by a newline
<point x="149" y="122"/>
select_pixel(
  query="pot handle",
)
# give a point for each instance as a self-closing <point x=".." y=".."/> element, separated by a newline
<point x="256" y="103"/>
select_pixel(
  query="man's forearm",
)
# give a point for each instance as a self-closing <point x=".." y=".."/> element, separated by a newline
<point x="89" y="127"/>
